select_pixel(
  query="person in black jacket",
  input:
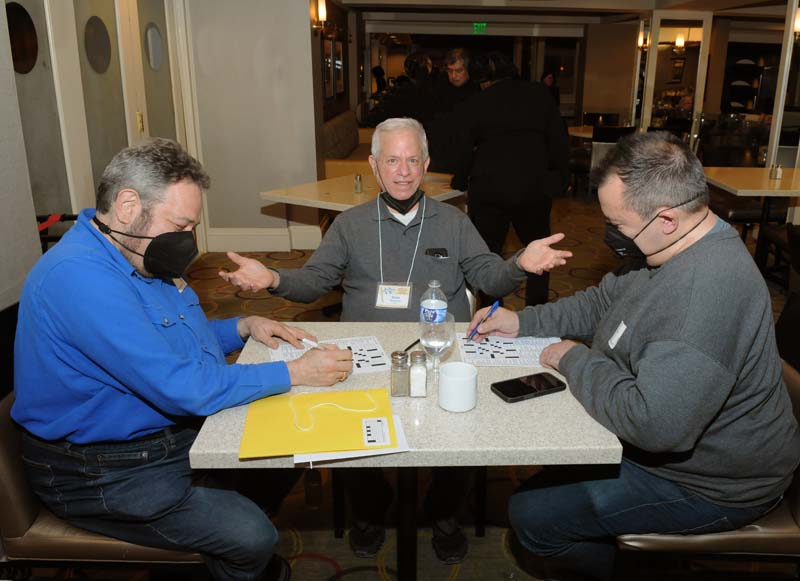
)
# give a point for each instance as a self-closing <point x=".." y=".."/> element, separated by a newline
<point x="513" y="159"/>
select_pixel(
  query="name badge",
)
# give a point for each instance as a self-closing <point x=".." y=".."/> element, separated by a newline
<point x="617" y="334"/>
<point x="393" y="296"/>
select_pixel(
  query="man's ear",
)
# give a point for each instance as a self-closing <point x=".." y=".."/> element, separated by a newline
<point x="427" y="163"/>
<point x="668" y="221"/>
<point x="373" y="164"/>
<point x="127" y="206"/>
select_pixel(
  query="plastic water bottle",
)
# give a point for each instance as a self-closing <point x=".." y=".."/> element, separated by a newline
<point x="433" y="306"/>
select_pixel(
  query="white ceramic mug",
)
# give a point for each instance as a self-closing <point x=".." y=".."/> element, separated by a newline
<point x="458" y="386"/>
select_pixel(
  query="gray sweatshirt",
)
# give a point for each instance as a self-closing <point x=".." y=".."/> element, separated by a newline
<point x="349" y="255"/>
<point x="684" y="369"/>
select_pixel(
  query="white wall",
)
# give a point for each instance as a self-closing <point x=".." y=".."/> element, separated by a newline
<point x="19" y="242"/>
<point x="255" y="108"/>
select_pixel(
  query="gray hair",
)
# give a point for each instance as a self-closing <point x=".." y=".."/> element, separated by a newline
<point x="657" y="169"/>
<point x="148" y="168"/>
<point x="399" y="124"/>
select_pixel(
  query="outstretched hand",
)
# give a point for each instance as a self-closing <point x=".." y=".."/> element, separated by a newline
<point x="539" y="257"/>
<point x="251" y="274"/>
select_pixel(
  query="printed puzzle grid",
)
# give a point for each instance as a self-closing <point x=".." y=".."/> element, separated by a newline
<point x="502" y="351"/>
<point x="368" y="355"/>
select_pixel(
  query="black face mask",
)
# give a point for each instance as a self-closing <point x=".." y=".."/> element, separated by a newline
<point x="402" y="206"/>
<point x="625" y="246"/>
<point x="167" y="256"/>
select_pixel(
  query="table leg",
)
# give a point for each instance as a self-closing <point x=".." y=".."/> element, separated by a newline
<point x="762" y="249"/>
<point x="407" y="523"/>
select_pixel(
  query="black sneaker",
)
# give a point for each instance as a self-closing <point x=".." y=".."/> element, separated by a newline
<point x="278" y="569"/>
<point x="366" y="539"/>
<point x="449" y="542"/>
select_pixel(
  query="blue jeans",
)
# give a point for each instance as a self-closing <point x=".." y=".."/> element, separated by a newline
<point x="571" y="518"/>
<point x="144" y="492"/>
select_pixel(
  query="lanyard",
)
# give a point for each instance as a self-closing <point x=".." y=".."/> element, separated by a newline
<point x="419" y="234"/>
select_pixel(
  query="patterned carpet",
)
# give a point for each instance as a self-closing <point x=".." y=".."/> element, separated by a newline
<point x="305" y="521"/>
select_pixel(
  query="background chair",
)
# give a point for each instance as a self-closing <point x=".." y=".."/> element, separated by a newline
<point x="776" y="536"/>
<point x="745" y="212"/>
<point x="32" y="535"/>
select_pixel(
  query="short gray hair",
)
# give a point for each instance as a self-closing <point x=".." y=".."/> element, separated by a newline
<point x="148" y="168"/>
<point x="657" y="169"/>
<point x="399" y="124"/>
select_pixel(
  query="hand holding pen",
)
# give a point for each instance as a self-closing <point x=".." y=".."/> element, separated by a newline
<point x="484" y="319"/>
<point x="493" y="321"/>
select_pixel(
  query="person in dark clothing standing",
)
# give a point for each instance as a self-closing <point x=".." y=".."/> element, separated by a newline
<point x="513" y="158"/>
<point x="456" y="88"/>
<point x="548" y="79"/>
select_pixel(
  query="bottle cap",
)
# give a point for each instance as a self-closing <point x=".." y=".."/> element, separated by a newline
<point x="417" y="357"/>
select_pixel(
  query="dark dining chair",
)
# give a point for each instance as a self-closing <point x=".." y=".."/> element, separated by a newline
<point x="774" y="537"/>
<point x="32" y="535"/>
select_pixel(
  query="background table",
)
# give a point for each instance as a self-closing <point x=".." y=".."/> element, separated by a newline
<point x="554" y="429"/>
<point x="339" y="194"/>
<point x="754" y="181"/>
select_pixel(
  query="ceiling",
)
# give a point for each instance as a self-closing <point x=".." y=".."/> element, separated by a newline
<point x="591" y="10"/>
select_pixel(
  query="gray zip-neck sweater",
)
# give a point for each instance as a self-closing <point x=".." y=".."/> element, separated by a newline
<point x="450" y="250"/>
<point x="684" y="368"/>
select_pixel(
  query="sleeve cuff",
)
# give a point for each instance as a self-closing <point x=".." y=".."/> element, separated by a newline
<point x="228" y="334"/>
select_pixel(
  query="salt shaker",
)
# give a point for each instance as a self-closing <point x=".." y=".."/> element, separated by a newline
<point x="418" y="375"/>
<point x="399" y="385"/>
<point x="357" y="186"/>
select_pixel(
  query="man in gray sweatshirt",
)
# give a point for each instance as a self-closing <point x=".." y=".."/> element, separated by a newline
<point x="683" y="368"/>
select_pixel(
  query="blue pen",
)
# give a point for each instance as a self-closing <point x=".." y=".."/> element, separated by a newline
<point x="483" y="320"/>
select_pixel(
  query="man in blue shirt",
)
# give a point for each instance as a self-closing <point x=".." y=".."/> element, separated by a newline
<point x="113" y="353"/>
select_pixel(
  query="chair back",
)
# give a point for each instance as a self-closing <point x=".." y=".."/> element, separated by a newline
<point x="607" y="134"/>
<point x="792" y="379"/>
<point x="19" y="505"/>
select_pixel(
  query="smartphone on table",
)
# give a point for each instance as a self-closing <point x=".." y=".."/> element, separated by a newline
<point x="521" y="388"/>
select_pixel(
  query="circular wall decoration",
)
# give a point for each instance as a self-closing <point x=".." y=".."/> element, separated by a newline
<point x="154" y="46"/>
<point x="24" y="42"/>
<point x="97" y="44"/>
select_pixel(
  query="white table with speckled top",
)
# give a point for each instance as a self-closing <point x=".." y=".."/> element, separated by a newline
<point x="550" y="430"/>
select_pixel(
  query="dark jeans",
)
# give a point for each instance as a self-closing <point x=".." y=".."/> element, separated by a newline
<point x="531" y="221"/>
<point x="144" y="492"/>
<point x="573" y="522"/>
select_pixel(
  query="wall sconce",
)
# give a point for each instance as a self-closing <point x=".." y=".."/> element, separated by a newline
<point x="680" y="43"/>
<point x="643" y="41"/>
<point x="797" y="27"/>
<point x="322" y="17"/>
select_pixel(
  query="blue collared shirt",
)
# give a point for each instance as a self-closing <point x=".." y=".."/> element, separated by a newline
<point x="103" y="353"/>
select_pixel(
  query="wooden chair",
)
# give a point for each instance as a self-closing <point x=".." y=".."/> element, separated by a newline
<point x="32" y="535"/>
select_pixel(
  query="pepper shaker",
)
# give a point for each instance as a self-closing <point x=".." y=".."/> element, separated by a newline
<point x="399" y="382"/>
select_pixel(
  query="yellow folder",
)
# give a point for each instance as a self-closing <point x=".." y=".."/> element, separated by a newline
<point x="324" y="421"/>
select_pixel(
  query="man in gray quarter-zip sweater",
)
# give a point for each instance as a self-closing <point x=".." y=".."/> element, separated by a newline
<point x="683" y="368"/>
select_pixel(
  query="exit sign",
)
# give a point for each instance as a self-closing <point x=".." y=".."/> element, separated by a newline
<point x="478" y="28"/>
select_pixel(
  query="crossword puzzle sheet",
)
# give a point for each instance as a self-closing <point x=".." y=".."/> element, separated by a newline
<point x="368" y="355"/>
<point x="502" y="351"/>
